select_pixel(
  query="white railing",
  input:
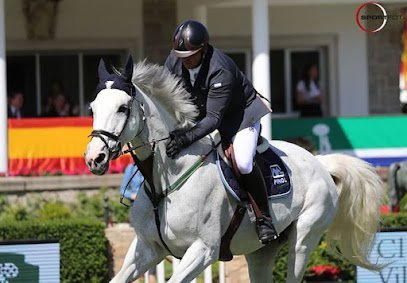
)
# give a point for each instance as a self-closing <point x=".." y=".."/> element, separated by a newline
<point x="160" y="272"/>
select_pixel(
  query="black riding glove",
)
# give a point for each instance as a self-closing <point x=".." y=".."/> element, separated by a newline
<point x="176" y="144"/>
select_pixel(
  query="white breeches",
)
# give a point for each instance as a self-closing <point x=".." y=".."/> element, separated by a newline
<point x="245" y="144"/>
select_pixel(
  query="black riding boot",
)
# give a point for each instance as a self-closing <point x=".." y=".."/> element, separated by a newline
<point x="255" y="185"/>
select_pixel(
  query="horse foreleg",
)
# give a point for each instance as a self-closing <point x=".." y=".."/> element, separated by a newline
<point x="197" y="257"/>
<point x="260" y="263"/>
<point x="140" y="257"/>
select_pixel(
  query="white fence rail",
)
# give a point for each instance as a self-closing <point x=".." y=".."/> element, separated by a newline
<point x="208" y="278"/>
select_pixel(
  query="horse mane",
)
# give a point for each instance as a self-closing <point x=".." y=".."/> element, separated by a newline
<point x="157" y="81"/>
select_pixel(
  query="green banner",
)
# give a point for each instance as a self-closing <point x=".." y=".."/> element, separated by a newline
<point x="345" y="133"/>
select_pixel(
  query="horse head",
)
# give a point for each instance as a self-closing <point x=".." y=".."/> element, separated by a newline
<point x="116" y="118"/>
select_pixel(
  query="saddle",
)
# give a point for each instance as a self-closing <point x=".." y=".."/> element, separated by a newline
<point x="275" y="175"/>
<point x="264" y="156"/>
<point x="275" y="172"/>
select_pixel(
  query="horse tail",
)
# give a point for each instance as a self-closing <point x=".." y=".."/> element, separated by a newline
<point x="361" y="194"/>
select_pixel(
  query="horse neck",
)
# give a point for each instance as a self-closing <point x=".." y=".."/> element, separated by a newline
<point x="159" y="123"/>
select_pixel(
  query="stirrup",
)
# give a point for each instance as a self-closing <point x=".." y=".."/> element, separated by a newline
<point x="268" y="236"/>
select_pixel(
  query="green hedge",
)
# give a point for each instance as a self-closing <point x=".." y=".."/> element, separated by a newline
<point x="320" y="255"/>
<point x="83" y="245"/>
<point x="395" y="220"/>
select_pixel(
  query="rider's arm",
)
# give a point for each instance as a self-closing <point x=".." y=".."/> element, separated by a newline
<point x="218" y="101"/>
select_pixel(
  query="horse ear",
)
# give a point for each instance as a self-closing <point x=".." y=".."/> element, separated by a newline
<point x="102" y="72"/>
<point x="128" y="72"/>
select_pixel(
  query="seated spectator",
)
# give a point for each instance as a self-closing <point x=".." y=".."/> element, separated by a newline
<point x="75" y="110"/>
<point x="14" y="109"/>
<point x="58" y="106"/>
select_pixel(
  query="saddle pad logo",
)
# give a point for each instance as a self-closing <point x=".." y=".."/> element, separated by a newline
<point x="278" y="175"/>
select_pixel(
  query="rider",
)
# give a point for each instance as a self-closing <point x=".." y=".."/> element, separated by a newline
<point x="227" y="101"/>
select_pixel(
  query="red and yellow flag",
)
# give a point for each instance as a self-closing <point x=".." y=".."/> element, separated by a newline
<point x="51" y="145"/>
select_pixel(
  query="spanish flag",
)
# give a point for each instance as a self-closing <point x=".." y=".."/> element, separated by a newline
<point x="403" y="61"/>
<point x="52" y="146"/>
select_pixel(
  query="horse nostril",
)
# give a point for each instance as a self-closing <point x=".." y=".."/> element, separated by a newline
<point x="100" y="158"/>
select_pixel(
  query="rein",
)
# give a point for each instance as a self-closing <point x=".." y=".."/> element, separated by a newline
<point x="145" y="168"/>
<point x="153" y="142"/>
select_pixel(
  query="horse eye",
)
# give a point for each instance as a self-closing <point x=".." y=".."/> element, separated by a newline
<point x="123" y="109"/>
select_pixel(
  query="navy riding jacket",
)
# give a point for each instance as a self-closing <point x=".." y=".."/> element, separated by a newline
<point x="226" y="99"/>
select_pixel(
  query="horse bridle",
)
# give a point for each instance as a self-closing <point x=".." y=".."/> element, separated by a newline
<point x="104" y="136"/>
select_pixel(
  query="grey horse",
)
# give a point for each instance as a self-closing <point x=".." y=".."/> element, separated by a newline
<point x="335" y="192"/>
<point x="397" y="183"/>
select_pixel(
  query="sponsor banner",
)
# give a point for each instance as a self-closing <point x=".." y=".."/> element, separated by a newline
<point x="29" y="262"/>
<point x="390" y="251"/>
<point x="379" y="140"/>
<point x="51" y="145"/>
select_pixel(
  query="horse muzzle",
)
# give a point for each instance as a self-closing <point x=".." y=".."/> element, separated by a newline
<point x="97" y="160"/>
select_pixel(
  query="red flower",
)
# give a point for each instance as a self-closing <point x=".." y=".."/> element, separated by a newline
<point x="329" y="271"/>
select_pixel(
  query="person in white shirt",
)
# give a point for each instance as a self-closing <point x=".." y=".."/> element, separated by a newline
<point x="309" y="95"/>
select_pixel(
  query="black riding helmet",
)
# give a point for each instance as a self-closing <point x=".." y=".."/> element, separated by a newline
<point x="189" y="37"/>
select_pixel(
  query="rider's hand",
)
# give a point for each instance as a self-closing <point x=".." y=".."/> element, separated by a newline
<point x="176" y="144"/>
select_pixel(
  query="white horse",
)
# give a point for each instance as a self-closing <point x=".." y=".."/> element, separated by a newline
<point x="335" y="192"/>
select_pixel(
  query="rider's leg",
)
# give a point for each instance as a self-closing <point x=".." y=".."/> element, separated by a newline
<point x="244" y="144"/>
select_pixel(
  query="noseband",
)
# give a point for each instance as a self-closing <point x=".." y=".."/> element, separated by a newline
<point x="102" y="134"/>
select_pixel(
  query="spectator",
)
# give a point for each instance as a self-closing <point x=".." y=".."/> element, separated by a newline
<point x="131" y="183"/>
<point x="57" y="106"/>
<point x="75" y="110"/>
<point x="15" y="105"/>
<point x="309" y="95"/>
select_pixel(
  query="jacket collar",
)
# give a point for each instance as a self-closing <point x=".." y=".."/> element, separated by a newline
<point x="202" y="74"/>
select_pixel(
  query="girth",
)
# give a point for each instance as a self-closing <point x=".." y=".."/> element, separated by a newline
<point x="146" y="169"/>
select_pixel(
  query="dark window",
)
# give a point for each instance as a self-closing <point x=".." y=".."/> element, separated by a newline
<point x="277" y="74"/>
<point x="299" y="61"/>
<point x="240" y="59"/>
<point x="59" y="74"/>
<point x="21" y="78"/>
<point x="90" y="75"/>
